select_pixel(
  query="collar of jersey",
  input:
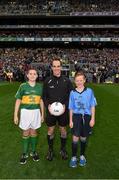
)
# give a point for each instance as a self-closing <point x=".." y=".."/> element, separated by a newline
<point x="30" y="85"/>
<point x="55" y="77"/>
<point x="81" y="91"/>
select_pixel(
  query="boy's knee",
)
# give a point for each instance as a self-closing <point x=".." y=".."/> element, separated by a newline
<point x="83" y="139"/>
<point x="75" y="139"/>
<point x="26" y="132"/>
<point x="33" y="132"/>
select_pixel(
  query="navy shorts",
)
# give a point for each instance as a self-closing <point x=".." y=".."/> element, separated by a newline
<point x="81" y="125"/>
<point x="62" y="120"/>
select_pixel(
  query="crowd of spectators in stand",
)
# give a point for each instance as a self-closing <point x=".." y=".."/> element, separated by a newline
<point x="56" y="7"/>
<point x="100" y="65"/>
<point x="94" y="6"/>
<point x="60" y="34"/>
<point x="22" y="7"/>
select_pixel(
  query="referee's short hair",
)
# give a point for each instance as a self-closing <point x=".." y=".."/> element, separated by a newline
<point x="56" y="59"/>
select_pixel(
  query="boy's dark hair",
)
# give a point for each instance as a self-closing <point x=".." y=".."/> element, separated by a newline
<point x="80" y="73"/>
<point x="31" y="68"/>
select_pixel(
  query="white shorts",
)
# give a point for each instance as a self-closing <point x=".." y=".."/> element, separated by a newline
<point x="30" y="119"/>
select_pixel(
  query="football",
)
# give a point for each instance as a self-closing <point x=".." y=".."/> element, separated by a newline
<point x="56" y="109"/>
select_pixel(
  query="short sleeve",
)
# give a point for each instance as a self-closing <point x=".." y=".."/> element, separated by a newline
<point x="71" y="101"/>
<point x="19" y="93"/>
<point x="93" y="99"/>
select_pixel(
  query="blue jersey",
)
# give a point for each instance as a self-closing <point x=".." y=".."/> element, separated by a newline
<point x="81" y="103"/>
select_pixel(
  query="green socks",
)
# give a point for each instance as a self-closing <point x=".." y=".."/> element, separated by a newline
<point x="25" y="144"/>
<point x="29" y="140"/>
<point x="33" y="143"/>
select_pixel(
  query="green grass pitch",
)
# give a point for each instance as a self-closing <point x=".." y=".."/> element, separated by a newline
<point x="103" y="145"/>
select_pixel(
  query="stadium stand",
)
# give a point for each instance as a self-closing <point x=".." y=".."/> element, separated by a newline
<point x="60" y="7"/>
<point x="92" y="47"/>
<point x="100" y="65"/>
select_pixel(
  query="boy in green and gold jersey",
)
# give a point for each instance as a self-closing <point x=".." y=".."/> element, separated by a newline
<point x="29" y="101"/>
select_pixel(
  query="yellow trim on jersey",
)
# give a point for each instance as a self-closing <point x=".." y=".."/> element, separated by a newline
<point x="31" y="99"/>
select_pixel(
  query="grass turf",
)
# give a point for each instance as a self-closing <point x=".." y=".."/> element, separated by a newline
<point x="103" y="145"/>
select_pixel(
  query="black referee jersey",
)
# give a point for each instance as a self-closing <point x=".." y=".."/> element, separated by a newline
<point x="57" y="89"/>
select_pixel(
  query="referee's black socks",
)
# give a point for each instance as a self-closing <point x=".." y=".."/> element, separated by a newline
<point x="63" y="142"/>
<point x="50" y="141"/>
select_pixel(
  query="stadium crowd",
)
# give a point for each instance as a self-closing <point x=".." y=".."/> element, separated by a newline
<point x="100" y="65"/>
<point x="94" y="6"/>
<point x="60" y="34"/>
<point x="53" y="7"/>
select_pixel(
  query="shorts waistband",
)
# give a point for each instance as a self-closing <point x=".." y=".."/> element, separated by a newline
<point x="81" y="115"/>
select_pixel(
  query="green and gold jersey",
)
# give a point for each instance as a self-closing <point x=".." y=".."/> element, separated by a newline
<point x="30" y="96"/>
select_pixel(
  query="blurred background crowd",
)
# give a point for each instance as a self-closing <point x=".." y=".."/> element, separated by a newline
<point x="59" y="7"/>
<point x="100" y="65"/>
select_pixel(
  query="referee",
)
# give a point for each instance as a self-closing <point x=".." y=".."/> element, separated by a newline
<point x="56" y="89"/>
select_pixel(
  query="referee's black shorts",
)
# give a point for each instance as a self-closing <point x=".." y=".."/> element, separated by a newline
<point x="62" y="120"/>
<point x="81" y="125"/>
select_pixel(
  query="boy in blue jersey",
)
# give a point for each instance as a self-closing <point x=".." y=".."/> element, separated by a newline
<point x="29" y="102"/>
<point x="82" y="117"/>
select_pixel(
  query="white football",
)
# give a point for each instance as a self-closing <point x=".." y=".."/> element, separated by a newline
<point x="56" y="109"/>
